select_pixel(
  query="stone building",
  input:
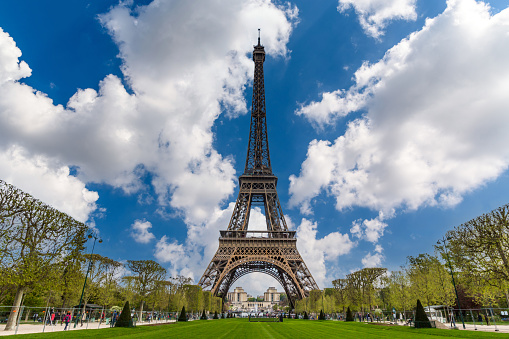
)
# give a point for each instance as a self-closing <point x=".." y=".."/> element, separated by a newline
<point x="238" y="300"/>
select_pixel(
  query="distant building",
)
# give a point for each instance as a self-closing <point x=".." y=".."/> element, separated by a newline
<point x="238" y="300"/>
<point x="238" y="296"/>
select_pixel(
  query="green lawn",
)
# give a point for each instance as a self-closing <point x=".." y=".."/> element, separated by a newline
<point x="242" y="328"/>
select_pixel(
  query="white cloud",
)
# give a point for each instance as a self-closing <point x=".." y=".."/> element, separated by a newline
<point x="170" y="252"/>
<point x="374" y="15"/>
<point x="183" y="62"/>
<point x="375" y="259"/>
<point x="436" y="120"/>
<point x="11" y="69"/>
<point x="48" y="181"/>
<point x="140" y="231"/>
<point x="369" y="229"/>
<point x="316" y="251"/>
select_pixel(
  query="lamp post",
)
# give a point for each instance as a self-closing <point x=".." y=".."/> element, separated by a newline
<point x="444" y="242"/>
<point x="90" y="236"/>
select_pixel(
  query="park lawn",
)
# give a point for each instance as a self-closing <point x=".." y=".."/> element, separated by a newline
<point x="242" y="328"/>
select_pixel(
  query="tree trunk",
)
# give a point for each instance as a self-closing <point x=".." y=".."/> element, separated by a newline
<point x="15" y="308"/>
<point x="141" y="310"/>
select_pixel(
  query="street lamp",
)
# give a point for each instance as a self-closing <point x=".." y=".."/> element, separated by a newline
<point x="444" y="242"/>
<point x="90" y="236"/>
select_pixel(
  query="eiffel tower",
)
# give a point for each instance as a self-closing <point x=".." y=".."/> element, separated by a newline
<point x="274" y="251"/>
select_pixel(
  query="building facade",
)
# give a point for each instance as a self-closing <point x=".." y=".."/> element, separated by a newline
<point x="238" y="300"/>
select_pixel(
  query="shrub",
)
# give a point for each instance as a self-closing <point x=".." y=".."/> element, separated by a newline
<point x="321" y="316"/>
<point x="124" y="320"/>
<point x="183" y="315"/>
<point x="349" y="315"/>
<point x="421" y="319"/>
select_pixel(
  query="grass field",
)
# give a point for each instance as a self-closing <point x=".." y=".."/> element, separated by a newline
<point x="242" y="328"/>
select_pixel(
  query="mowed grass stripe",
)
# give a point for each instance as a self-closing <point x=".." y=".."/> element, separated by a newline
<point x="242" y="328"/>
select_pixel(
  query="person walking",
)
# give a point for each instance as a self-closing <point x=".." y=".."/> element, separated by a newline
<point x="453" y="321"/>
<point x="113" y="319"/>
<point x="52" y="319"/>
<point x="67" y="320"/>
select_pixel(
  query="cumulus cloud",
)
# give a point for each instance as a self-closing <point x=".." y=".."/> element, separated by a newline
<point x="374" y="15"/>
<point x="316" y="251"/>
<point x="140" y="231"/>
<point x="375" y="259"/>
<point x="435" y="126"/>
<point x="185" y="63"/>
<point x="48" y="181"/>
<point x="369" y="229"/>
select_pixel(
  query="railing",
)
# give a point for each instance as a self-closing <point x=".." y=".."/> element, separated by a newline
<point x="51" y="319"/>
<point x="258" y="234"/>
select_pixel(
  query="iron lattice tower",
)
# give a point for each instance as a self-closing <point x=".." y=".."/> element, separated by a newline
<point x="274" y="251"/>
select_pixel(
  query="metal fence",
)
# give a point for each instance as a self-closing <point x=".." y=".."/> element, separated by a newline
<point x="51" y="319"/>
<point x="485" y="319"/>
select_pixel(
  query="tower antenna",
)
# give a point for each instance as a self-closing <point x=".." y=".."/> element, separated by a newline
<point x="258" y="37"/>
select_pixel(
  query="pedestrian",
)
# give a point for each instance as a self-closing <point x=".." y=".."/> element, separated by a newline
<point x="52" y="318"/>
<point x="453" y="321"/>
<point x="67" y="320"/>
<point x="113" y="319"/>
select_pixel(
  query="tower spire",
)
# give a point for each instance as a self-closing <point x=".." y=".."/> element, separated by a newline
<point x="258" y="158"/>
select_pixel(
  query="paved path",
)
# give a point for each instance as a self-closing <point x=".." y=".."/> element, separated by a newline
<point x="38" y="327"/>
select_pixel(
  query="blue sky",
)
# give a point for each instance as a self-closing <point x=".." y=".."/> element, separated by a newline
<point x="387" y="121"/>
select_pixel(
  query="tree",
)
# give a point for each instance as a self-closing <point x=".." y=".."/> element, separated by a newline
<point x="193" y="297"/>
<point x="125" y="320"/>
<point x="306" y="315"/>
<point x="35" y="239"/>
<point x="147" y="275"/>
<point x="321" y="316"/>
<point x="421" y="319"/>
<point x="479" y="251"/>
<point x="203" y="316"/>
<point x="429" y="280"/>
<point x="399" y="290"/>
<point x="349" y="315"/>
<point x="182" y="315"/>
<point x="215" y="315"/>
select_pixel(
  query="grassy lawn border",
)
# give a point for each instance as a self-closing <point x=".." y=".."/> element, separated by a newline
<point x="233" y="328"/>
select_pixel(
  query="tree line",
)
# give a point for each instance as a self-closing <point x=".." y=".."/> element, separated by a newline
<point x="476" y="252"/>
<point x="43" y="262"/>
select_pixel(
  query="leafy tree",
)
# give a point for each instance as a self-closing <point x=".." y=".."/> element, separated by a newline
<point x="124" y="320"/>
<point x="429" y="280"/>
<point x="399" y="290"/>
<point x="35" y="238"/>
<point x="193" y="296"/>
<point x="215" y="315"/>
<point x="479" y="252"/>
<point x="203" y="316"/>
<point x="315" y="300"/>
<point x="306" y="315"/>
<point x="147" y="275"/>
